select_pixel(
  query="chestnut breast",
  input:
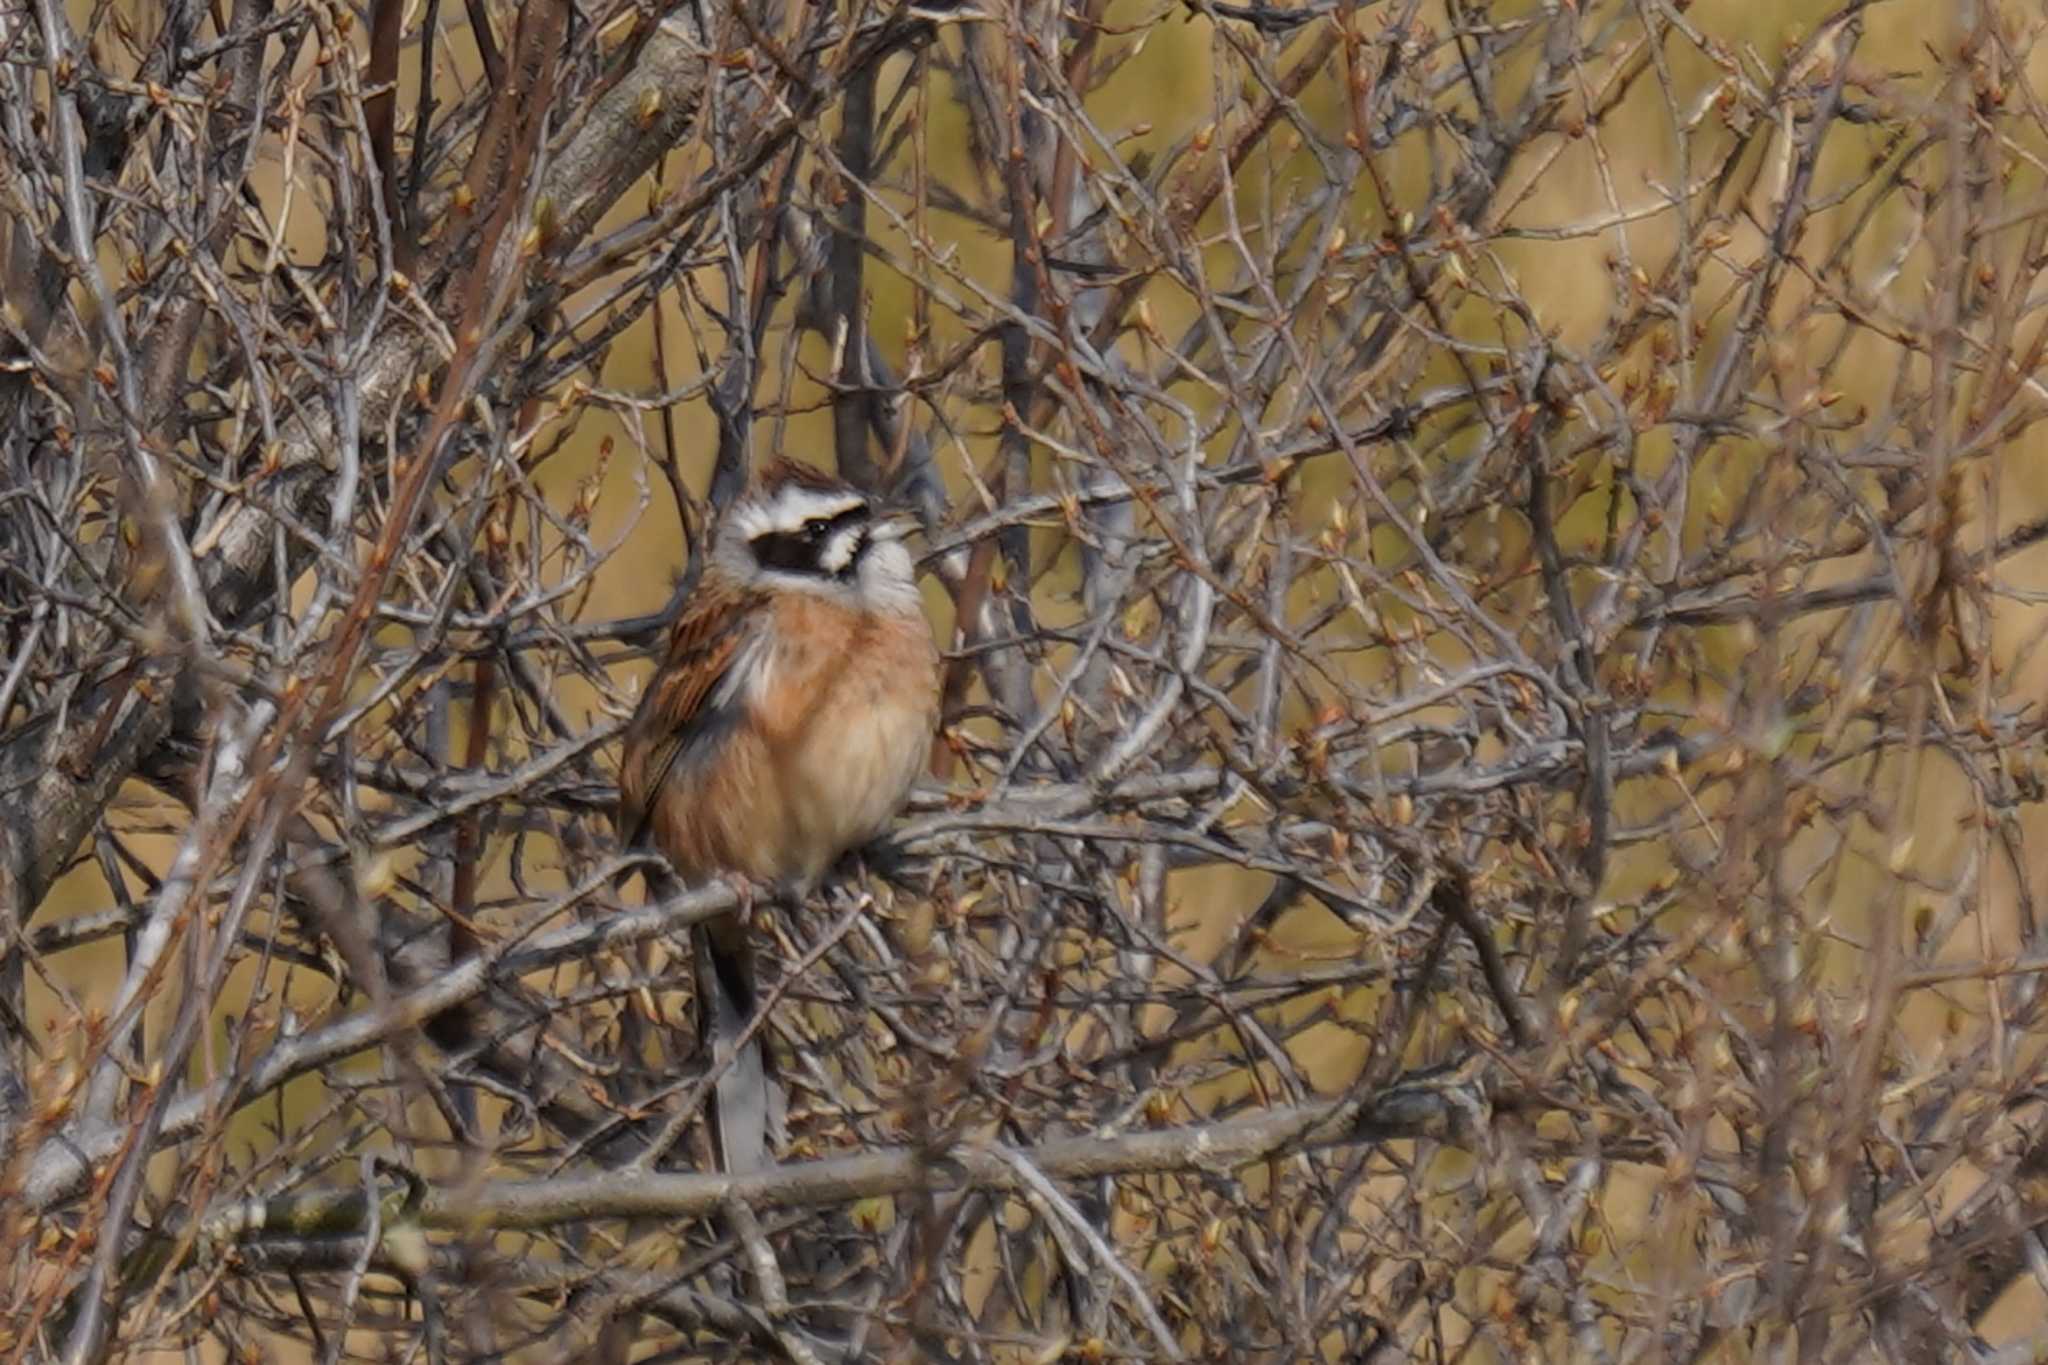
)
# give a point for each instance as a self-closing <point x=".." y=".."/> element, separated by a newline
<point x="836" y="713"/>
<point x="845" y="703"/>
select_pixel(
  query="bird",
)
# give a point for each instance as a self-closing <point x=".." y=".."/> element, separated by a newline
<point x="791" y="714"/>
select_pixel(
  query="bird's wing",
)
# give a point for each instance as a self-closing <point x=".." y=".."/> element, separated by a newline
<point x="693" y="699"/>
<point x="691" y="706"/>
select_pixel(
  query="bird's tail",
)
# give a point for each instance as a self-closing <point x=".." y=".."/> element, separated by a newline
<point x="742" y="1101"/>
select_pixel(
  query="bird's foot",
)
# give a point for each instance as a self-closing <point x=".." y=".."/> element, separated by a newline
<point x="747" y="894"/>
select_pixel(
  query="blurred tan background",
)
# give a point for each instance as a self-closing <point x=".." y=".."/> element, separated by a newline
<point x="1568" y="272"/>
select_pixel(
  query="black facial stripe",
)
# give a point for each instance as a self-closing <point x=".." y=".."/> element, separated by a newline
<point x="788" y="551"/>
<point x="822" y="530"/>
<point x="797" y="551"/>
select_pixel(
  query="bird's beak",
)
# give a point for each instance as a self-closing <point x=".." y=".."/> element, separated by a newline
<point x="893" y="526"/>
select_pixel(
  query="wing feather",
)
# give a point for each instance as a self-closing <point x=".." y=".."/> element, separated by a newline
<point x="691" y="700"/>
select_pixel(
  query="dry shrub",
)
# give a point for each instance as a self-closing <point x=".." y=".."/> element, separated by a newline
<point x="1487" y="553"/>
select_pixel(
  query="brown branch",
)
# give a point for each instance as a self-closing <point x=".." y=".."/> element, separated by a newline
<point x="1445" y="1108"/>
